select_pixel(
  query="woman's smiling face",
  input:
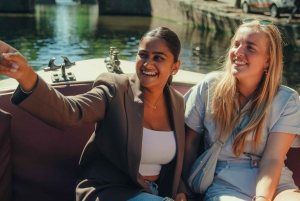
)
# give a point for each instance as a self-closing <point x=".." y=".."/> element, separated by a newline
<point x="249" y="54"/>
<point x="154" y="63"/>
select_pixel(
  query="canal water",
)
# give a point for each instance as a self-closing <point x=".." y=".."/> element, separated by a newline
<point x="78" y="32"/>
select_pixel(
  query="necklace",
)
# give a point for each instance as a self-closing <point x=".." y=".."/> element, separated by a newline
<point x="154" y="107"/>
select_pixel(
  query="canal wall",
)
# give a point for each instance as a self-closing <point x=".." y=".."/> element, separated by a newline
<point x="191" y="12"/>
<point x="202" y="15"/>
<point x="219" y="16"/>
<point x="126" y="7"/>
<point x="45" y="2"/>
<point x="86" y="1"/>
<point x="21" y="6"/>
<point x="54" y="2"/>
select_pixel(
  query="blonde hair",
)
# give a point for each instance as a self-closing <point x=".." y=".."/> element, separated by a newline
<point x="225" y="103"/>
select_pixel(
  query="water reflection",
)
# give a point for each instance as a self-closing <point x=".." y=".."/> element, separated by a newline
<point x="77" y="32"/>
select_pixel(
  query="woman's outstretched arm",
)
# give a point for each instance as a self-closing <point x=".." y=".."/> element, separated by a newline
<point x="49" y="105"/>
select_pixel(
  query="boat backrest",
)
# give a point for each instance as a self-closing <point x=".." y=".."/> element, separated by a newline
<point x="293" y="163"/>
<point x="5" y="156"/>
<point x="44" y="160"/>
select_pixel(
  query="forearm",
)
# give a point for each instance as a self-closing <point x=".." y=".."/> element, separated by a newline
<point x="189" y="158"/>
<point x="190" y="155"/>
<point x="271" y="164"/>
<point x="60" y="111"/>
<point x="192" y="139"/>
<point x="268" y="178"/>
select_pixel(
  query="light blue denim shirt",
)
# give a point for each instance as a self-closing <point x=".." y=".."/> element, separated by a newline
<point x="283" y="115"/>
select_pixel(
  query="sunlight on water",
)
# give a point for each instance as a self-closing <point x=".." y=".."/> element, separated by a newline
<point x="78" y="32"/>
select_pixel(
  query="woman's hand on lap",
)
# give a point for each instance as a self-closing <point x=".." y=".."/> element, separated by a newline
<point x="181" y="197"/>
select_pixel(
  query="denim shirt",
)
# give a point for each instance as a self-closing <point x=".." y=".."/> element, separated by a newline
<point x="283" y="115"/>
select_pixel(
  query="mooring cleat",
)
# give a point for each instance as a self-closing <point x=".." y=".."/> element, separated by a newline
<point x="67" y="61"/>
<point x="51" y="65"/>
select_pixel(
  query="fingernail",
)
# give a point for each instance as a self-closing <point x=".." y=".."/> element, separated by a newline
<point x="14" y="66"/>
<point x="5" y="55"/>
<point x="13" y="70"/>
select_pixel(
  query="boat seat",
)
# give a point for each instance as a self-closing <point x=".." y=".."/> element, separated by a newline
<point x="293" y="163"/>
<point x="5" y="156"/>
<point x="44" y="160"/>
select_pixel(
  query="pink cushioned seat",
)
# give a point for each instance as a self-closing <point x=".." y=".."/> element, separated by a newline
<point x="5" y="156"/>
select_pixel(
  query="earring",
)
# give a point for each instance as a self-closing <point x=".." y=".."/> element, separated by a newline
<point x="173" y="73"/>
<point x="266" y="71"/>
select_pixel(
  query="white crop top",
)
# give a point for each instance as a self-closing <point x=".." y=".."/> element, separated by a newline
<point x="158" y="148"/>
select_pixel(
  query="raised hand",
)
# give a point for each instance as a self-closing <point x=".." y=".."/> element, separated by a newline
<point x="15" y="65"/>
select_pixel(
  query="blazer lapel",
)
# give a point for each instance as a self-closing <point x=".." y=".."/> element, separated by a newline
<point x="135" y="115"/>
<point x="177" y="111"/>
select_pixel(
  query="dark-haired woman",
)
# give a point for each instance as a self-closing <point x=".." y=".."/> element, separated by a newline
<point x="136" y="151"/>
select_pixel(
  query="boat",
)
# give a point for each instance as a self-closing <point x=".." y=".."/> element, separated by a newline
<point x="40" y="162"/>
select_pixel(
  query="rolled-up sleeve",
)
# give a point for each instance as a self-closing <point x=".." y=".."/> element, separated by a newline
<point x="196" y="100"/>
<point x="289" y="119"/>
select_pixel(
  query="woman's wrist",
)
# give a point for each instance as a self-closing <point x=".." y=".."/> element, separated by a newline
<point x="28" y="85"/>
<point x="260" y="198"/>
<point x="26" y="92"/>
<point x="29" y="88"/>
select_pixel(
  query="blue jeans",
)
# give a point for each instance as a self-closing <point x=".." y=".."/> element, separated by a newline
<point x="150" y="197"/>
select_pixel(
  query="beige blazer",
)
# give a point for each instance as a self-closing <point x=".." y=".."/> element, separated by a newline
<point x="108" y="168"/>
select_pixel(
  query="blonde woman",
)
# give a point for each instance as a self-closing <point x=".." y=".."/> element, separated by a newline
<point x="251" y="163"/>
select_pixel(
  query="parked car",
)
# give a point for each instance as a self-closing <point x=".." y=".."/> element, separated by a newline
<point x="275" y="7"/>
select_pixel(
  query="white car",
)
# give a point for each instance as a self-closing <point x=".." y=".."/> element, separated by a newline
<point x="275" y="7"/>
